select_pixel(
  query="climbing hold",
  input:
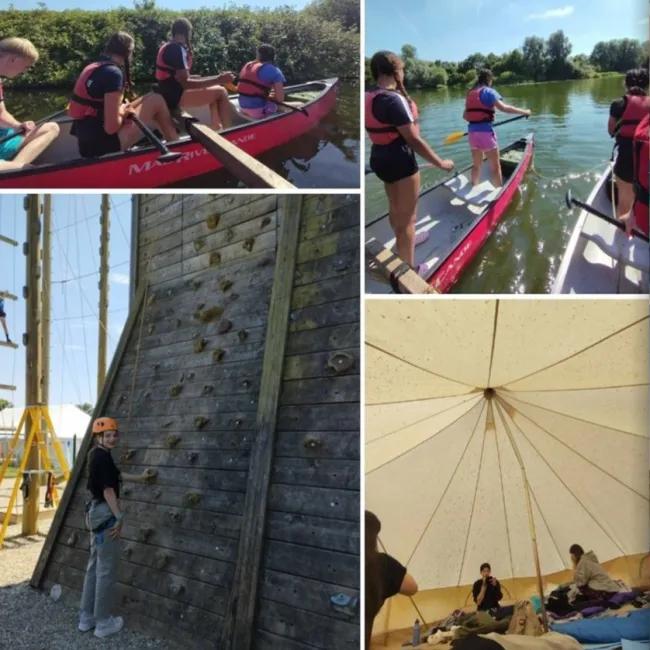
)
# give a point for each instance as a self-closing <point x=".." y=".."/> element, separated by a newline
<point x="192" y="456"/>
<point x="172" y="440"/>
<point x="55" y="592"/>
<point x="200" y="421"/>
<point x="192" y="498"/>
<point x="215" y="258"/>
<point x="341" y="264"/>
<point x="199" y="344"/>
<point x="175" y="515"/>
<point x="234" y="296"/>
<point x="213" y="221"/>
<point x="169" y="293"/>
<point x="145" y="533"/>
<point x="168" y="423"/>
<point x="265" y="222"/>
<point x="224" y="285"/>
<point x="224" y="326"/>
<point x="238" y="423"/>
<point x="242" y="334"/>
<point x="151" y="328"/>
<point x="176" y="589"/>
<point x="72" y="539"/>
<point x="199" y="244"/>
<point x="151" y="299"/>
<point x="161" y="560"/>
<point x="207" y="389"/>
<point x="121" y="399"/>
<point x="128" y="455"/>
<point x="126" y="491"/>
<point x="156" y="367"/>
<point x="207" y="315"/>
<point x="344" y="604"/>
<point x="127" y="551"/>
<point x="248" y="244"/>
<point x="179" y="322"/>
<point x="312" y="442"/>
<point x="149" y="475"/>
<point x="190" y="376"/>
<point x="175" y="390"/>
<point x="218" y="354"/>
<point x="246" y="383"/>
<point x="230" y="234"/>
<point x="340" y="362"/>
<point x="196" y="284"/>
<point x="157" y="494"/>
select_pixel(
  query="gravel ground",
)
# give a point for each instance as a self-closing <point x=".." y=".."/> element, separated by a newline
<point x="31" y="620"/>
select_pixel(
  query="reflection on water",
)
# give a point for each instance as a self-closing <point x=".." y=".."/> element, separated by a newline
<point x="572" y="148"/>
<point x="327" y="156"/>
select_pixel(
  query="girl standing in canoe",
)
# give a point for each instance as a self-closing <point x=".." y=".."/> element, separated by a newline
<point x="181" y="89"/>
<point x="625" y="115"/>
<point x="16" y="56"/>
<point x="480" y="106"/>
<point x="101" y="119"/>
<point x="391" y="122"/>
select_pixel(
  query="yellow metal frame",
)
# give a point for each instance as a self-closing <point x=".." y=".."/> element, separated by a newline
<point x="37" y="436"/>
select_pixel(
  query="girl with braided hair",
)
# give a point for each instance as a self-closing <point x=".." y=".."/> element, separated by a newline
<point x="98" y="108"/>
<point x="392" y="126"/>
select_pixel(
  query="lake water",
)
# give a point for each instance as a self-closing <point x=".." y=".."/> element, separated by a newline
<point x="572" y="148"/>
<point x="327" y="156"/>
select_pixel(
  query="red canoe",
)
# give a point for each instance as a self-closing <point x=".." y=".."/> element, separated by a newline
<point x="61" y="167"/>
<point x="458" y="217"/>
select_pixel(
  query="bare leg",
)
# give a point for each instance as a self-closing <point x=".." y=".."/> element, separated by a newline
<point x="625" y="196"/>
<point x="35" y="144"/>
<point x="495" y="167"/>
<point x="152" y="111"/>
<point x="3" y="320"/>
<point x="477" y="161"/>
<point x="222" y="112"/>
<point x="402" y="200"/>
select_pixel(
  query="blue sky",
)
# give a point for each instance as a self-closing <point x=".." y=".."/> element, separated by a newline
<point x="450" y="31"/>
<point x="180" y="5"/>
<point x="75" y="252"/>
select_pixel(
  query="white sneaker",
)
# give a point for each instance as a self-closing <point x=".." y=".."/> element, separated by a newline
<point x="425" y="269"/>
<point x="86" y="622"/>
<point x="108" y="626"/>
<point x="421" y="237"/>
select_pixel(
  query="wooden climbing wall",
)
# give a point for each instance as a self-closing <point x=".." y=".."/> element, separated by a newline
<point x="184" y="385"/>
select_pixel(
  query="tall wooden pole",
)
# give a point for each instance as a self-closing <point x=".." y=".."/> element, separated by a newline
<point x="103" y="293"/>
<point x="46" y="292"/>
<point x="531" y="519"/>
<point x="33" y="359"/>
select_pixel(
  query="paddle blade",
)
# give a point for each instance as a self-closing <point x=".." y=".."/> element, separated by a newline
<point x="170" y="156"/>
<point x="454" y="137"/>
<point x="568" y="199"/>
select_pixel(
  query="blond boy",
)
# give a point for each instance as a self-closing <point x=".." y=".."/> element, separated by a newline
<point x="16" y="56"/>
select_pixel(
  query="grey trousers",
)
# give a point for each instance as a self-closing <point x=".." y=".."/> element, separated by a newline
<point x="101" y="573"/>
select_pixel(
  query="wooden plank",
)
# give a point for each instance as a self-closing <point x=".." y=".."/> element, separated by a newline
<point x="343" y="474"/>
<point x="238" y="627"/>
<point x="8" y="295"/>
<point x="326" y="291"/>
<point x="321" y="502"/>
<point x="317" y="444"/>
<point x="77" y="470"/>
<point x="243" y="166"/>
<point x="8" y="344"/>
<point x="328" y="267"/>
<point x="391" y="266"/>
<point x="321" y="390"/>
<point x="330" y="338"/>
<point x="344" y="361"/>
<point x="8" y="240"/>
<point x="7" y="387"/>
<point x="330" y="417"/>
<point x="334" y="313"/>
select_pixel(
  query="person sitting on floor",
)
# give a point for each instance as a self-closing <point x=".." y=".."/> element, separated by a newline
<point x="590" y="578"/>
<point x="487" y="591"/>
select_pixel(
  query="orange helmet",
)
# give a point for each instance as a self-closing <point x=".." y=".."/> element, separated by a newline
<point x="104" y="424"/>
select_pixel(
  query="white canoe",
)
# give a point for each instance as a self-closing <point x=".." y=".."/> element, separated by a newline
<point x="600" y="258"/>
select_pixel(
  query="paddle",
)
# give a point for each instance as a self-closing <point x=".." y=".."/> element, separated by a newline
<point x="232" y="88"/>
<point x="457" y="135"/>
<point x="166" y="156"/>
<point x="570" y="202"/>
<point x="21" y="129"/>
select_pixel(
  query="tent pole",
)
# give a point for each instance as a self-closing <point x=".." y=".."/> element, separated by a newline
<point x="531" y="520"/>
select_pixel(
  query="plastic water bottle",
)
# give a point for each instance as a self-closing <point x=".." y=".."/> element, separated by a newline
<point x="415" y="642"/>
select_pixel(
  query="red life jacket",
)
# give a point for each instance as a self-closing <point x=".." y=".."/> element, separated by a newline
<point x="81" y="104"/>
<point x="163" y="71"/>
<point x="641" y="173"/>
<point x="478" y="111"/>
<point x="250" y="85"/>
<point x="382" y="132"/>
<point x="636" y="108"/>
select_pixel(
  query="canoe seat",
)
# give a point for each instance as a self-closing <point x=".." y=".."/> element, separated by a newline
<point x="625" y="251"/>
<point x="476" y="197"/>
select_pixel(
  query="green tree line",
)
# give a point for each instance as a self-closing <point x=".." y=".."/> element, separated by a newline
<point x="536" y="60"/>
<point x="321" y="40"/>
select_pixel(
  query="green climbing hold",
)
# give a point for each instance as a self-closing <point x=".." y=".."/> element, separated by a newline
<point x="213" y="221"/>
<point x="224" y="285"/>
<point x="215" y="258"/>
<point x="248" y="244"/>
<point x="218" y="355"/>
<point x="199" y="244"/>
<point x="175" y="390"/>
<point x="172" y="441"/>
<point x="199" y="344"/>
<point x="207" y="315"/>
<point x="200" y="421"/>
<point x="224" y="326"/>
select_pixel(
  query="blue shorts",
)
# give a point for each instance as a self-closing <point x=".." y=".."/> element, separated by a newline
<point x="10" y="148"/>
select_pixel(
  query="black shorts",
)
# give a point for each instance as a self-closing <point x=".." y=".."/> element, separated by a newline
<point x="624" y="165"/>
<point x="171" y="91"/>
<point x="93" y="140"/>
<point x="2" y="314"/>
<point x="393" y="162"/>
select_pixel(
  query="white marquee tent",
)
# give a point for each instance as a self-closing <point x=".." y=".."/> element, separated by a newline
<point x="458" y="391"/>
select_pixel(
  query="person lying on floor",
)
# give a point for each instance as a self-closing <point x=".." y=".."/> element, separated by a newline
<point x="590" y="578"/>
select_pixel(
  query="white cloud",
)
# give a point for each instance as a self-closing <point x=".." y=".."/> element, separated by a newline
<point x="560" y="12"/>
<point x="120" y="278"/>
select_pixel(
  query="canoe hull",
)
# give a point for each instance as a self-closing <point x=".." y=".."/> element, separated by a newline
<point x="599" y="257"/>
<point x="453" y="267"/>
<point x="140" y="169"/>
